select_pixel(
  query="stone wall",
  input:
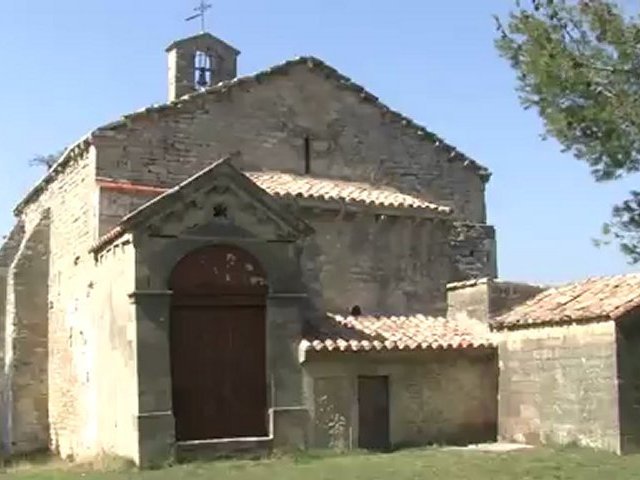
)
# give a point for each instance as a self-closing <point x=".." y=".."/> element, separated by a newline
<point x="486" y="298"/>
<point x="470" y="299"/>
<point x="70" y="200"/>
<point x="473" y="250"/>
<point x="558" y="386"/>
<point x="25" y="393"/>
<point x="385" y="265"/>
<point x="114" y="205"/>
<point x="503" y="296"/>
<point x="181" y="63"/>
<point x="8" y="251"/>
<point x="114" y="395"/>
<point x="436" y="397"/>
<point x="182" y="228"/>
<point x="628" y="342"/>
<point x="267" y="121"/>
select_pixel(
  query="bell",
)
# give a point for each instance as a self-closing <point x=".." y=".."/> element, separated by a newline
<point x="202" y="78"/>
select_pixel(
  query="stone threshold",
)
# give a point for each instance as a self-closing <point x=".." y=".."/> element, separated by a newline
<point x="252" y="447"/>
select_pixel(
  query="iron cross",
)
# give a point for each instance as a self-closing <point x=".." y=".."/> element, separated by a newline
<point x="202" y="10"/>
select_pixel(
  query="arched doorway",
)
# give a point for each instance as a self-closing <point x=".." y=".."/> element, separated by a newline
<point x="218" y="345"/>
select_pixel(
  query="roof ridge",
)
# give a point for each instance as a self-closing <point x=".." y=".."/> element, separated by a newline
<point x="595" y="278"/>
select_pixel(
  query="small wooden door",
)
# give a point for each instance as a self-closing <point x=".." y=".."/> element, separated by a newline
<point x="373" y="413"/>
<point x="218" y="345"/>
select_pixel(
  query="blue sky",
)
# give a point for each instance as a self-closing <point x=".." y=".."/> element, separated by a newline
<point x="72" y="65"/>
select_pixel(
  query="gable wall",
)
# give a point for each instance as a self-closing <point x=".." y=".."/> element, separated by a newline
<point x="558" y="385"/>
<point x="71" y="202"/>
<point x="352" y="139"/>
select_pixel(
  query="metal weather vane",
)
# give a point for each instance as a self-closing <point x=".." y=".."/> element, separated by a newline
<point x="202" y="11"/>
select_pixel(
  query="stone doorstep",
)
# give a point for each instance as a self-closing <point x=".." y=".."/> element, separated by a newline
<point x="496" y="447"/>
<point x="251" y="447"/>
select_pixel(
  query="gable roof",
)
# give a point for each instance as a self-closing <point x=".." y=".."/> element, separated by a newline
<point x="202" y="180"/>
<point x="315" y="64"/>
<point x="593" y="299"/>
<point x="201" y="36"/>
<point x="396" y="333"/>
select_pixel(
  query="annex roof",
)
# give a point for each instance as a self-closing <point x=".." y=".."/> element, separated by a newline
<point x="397" y="333"/>
<point x="593" y="299"/>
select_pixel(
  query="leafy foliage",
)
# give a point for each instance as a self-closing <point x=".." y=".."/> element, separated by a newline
<point x="47" y="161"/>
<point x="578" y="65"/>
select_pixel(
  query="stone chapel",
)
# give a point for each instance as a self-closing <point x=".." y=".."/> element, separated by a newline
<point x="261" y="262"/>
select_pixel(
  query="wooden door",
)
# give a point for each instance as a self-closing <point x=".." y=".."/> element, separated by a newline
<point x="218" y="346"/>
<point x="373" y="413"/>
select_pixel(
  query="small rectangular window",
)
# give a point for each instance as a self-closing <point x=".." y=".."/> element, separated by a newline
<point x="307" y="155"/>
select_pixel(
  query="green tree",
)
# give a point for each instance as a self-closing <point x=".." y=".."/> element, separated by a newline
<point x="578" y="64"/>
<point x="47" y="161"/>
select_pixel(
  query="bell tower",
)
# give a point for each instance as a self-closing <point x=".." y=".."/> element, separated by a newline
<point x="199" y="62"/>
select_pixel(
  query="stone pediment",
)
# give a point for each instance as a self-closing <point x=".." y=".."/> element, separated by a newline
<point x="216" y="199"/>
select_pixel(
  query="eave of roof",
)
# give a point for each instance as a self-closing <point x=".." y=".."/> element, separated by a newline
<point x="409" y="333"/>
<point x="342" y="345"/>
<point x="312" y="62"/>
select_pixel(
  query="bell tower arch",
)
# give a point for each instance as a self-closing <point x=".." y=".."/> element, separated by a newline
<point x="199" y="62"/>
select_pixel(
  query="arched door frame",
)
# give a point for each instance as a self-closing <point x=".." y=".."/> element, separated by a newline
<point x="218" y="344"/>
<point x="155" y="259"/>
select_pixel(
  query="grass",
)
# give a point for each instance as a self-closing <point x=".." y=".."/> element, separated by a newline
<point x="566" y="464"/>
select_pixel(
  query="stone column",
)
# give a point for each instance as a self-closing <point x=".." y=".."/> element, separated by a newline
<point x="155" y="421"/>
<point x="290" y="417"/>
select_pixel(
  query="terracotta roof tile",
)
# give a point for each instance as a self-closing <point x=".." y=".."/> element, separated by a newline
<point x="301" y="186"/>
<point x="602" y="298"/>
<point x="414" y="332"/>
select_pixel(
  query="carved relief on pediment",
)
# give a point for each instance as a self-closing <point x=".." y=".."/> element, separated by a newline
<point x="220" y="205"/>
